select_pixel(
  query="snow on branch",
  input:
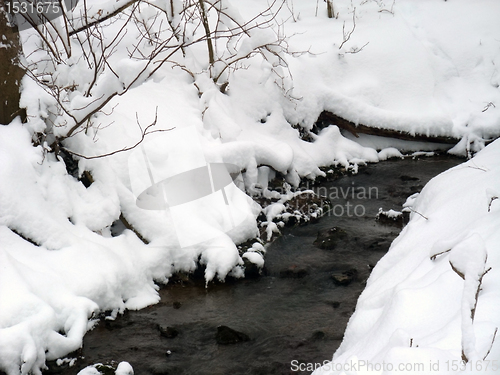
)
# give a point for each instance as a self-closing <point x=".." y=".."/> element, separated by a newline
<point x="468" y="260"/>
<point x="79" y="61"/>
<point x="144" y="133"/>
<point x="100" y="18"/>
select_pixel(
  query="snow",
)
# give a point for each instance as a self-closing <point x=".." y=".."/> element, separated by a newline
<point x="414" y="72"/>
<point x="70" y="361"/>
<point x="427" y="67"/>
<point x="389" y="152"/>
<point x="254" y="258"/>
<point x="123" y="368"/>
<point x="391" y="214"/>
<point x="418" y="302"/>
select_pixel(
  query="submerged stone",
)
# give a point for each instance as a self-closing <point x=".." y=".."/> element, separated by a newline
<point x="328" y="239"/>
<point x="346" y="277"/>
<point x="228" y="336"/>
<point x="168" y="332"/>
<point x="293" y="272"/>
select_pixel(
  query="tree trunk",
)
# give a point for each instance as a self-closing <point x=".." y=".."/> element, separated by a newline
<point x="328" y="118"/>
<point x="11" y="72"/>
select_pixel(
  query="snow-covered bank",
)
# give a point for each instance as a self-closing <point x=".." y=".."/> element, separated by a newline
<point x="444" y="267"/>
<point x="60" y="264"/>
<point x="430" y="67"/>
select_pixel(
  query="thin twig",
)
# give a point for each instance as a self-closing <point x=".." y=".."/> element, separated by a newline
<point x="473" y="311"/>
<point x="475" y="167"/>
<point x="347" y="35"/>
<point x="433" y="257"/>
<point x="356" y="50"/>
<point x="412" y="210"/>
<point x="491" y="201"/>
<point x="391" y="11"/>
<point x="143" y="135"/>
<point x="492" y="341"/>
<point x="106" y="17"/>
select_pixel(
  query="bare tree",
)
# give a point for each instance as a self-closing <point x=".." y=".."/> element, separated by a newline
<point x="88" y="40"/>
<point x="11" y="71"/>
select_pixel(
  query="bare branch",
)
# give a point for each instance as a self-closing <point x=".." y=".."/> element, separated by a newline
<point x="492" y="341"/>
<point x="391" y="11"/>
<point x="347" y="35"/>
<point x="476" y="167"/>
<point x="491" y="201"/>
<point x="433" y="257"/>
<point x="144" y="133"/>
<point x="488" y="105"/>
<point x="412" y="210"/>
<point x="96" y="49"/>
<point x="356" y="49"/>
<point x="106" y="17"/>
<point x="473" y="311"/>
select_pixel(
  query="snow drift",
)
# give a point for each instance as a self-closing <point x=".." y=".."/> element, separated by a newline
<point x="432" y="300"/>
<point x="429" y="67"/>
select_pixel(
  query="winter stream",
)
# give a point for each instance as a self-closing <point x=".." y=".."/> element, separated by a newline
<point x="293" y="313"/>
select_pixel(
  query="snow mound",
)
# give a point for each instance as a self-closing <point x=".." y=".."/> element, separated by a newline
<point x="429" y="67"/>
<point x="433" y="299"/>
<point x="422" y="67"/>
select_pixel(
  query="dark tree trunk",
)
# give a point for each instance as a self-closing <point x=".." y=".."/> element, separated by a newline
<point x="11" y="72"/>
<point x="328" y="118"/>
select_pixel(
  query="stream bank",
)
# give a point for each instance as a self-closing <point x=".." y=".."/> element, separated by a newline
<point x="295" y="312"/>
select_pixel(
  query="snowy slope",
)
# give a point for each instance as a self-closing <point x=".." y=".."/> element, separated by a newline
<point x="416" y="308"/>
<point x="429" y="67"/>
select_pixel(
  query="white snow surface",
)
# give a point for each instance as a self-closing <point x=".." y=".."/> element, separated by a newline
<point x="429" y="67"/>
<point x="123" y="368"/>
<point x="415" y="312"/>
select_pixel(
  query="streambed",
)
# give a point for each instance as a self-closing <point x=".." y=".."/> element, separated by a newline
<point x="295" y="312"/>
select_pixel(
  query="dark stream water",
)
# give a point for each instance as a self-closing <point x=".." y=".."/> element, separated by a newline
<point x="293" y="312"/>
